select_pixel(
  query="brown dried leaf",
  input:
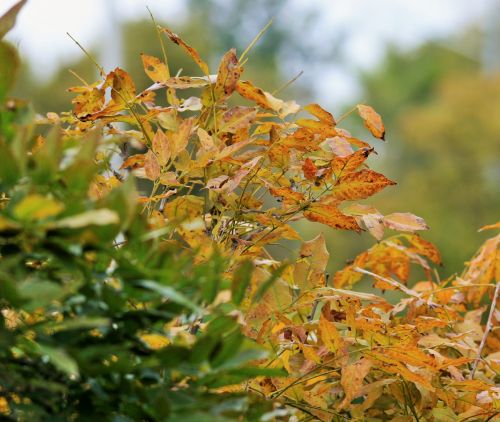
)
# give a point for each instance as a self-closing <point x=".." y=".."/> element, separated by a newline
<point x="190" y="50"/>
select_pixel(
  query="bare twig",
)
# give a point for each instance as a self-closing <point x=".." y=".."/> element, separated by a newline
<point x="488" y="328"/>
<point x="390" y="281"/>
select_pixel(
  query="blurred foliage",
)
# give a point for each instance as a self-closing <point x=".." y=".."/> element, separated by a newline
<point x="439" y="109"/>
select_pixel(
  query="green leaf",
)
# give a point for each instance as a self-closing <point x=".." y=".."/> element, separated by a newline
<point x="99" y="217"/>
<point x="61" y="360"/>
<point x="241" y="281"/>
<point x="8" y="19"/>
<point x="79" y="323"/>
<point x="40" y="292"/>
<point x="9" y="68"/>
<point x="170" y="293"/>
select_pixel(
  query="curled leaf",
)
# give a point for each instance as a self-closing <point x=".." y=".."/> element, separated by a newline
<point x="372" y="121"/>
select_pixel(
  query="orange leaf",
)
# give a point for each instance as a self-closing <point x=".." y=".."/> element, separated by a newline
<point x="360" y="185"/>
<point x="180" y="137"/>
<point x="372" y="121"/>
<point x="123" y="90"/>
<point x="352" y="379"/>
<point x="289" y="196"/>
<point x="329" y="335"/>
<point x="88" y="102"/>
<point x="331" y="216"/>
<point x="134" y="161"/>
<point x="309" y="169"/>
<point x="155" y="68"/>
<point x="151" y="166"/>
<point x="490" y="227"/>
<point x="228" y="75"/>
<point x="347" y="164"/>
<point x="249" y="91"/>
<point x="425" y="248"/>
<point x="190" y="50"/>
<point x="236" y="118"/>
<point x="404" y="221"/>
<point x="319" y="112"/>
<point x="316" y="251"/>
<point x="161" y="147"/>
<point x="316" y="126"/>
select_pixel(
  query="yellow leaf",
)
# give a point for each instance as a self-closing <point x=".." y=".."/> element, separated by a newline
<point x="236" y="118"/>
<point x="360" y="185"/>
<point x="155" y="68"/>
<point x="352" y="379"/>
<point x="372" y="121"/>
<point x="180" y="137"/>
<point x="404" y="221"/>
<point x="123" y="90"/>
<point x="161" y="147"/>
<point x="206" y="140"/>
<point x="329" y="335"/>
<point x="319" y="112"/>
<point x="316" y="252"/>
<point x="151" y="166"/>
<point x="37" y="207"/>
<point x="155" y="341"/>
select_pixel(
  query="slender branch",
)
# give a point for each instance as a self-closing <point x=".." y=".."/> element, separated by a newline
<point x="390" y="281"/>
<point x="99" y="67"/>
<point x="254" y="41"/>
<point x="488" y="328"/>
<point x="162" y="44"/>
<point x="287" y="84"/>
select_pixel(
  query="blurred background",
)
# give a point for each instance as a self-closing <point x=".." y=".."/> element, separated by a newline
<point x="431" y="69"/>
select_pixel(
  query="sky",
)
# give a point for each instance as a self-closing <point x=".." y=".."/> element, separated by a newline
<point x="369" y="26"/>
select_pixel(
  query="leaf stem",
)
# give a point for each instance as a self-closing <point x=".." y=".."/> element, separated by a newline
<point x="488" y="328"/>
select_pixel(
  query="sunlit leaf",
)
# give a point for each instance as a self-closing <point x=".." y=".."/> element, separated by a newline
<point x="228" y="75"/>
<point x="155" y="68"/>
<point x="37" y="207"/>
<point x="360" y="185"/>
<point x="372" y="121"/>
<point x="98" y="217"/>
<point x="405" y="222"/>
<point x="331" y="216"/>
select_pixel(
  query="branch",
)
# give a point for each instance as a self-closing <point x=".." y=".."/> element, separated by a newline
<point x="489" y="326"/>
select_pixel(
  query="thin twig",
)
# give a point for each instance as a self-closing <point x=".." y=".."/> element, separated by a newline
<point x="390" y="281"/>
<point x="162" y="44"/>
<point x="254" y="41"/>
<point x="488" y="328"/>
<point x="287" y="84"/>
<point x="99" y="67"/>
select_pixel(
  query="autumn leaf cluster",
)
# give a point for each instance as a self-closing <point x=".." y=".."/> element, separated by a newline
<point x="224" y="170"/>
